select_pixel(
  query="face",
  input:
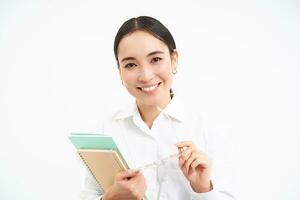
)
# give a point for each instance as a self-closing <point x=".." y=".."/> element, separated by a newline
<point x="145" y="67"/>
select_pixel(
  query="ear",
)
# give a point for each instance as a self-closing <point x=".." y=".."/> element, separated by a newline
<point x="174" y="59"/>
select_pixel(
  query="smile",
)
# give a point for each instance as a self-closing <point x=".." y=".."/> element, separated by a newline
<point x="149" y="88"/>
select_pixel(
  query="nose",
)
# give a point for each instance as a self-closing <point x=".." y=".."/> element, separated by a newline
<point x="146" y="74"/>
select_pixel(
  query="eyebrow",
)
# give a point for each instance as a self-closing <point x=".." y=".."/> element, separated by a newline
<point x="150" y="54"/>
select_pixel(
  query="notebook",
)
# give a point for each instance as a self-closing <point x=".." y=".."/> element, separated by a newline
<point x="101" y="156"/>
<point x="103" y="164"/>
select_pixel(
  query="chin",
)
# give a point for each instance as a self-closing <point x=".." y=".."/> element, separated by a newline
<point x="151" y="102"/>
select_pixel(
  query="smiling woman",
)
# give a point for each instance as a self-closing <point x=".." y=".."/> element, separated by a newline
<point x="157" y="126"/>
<point x="146" y="69"/>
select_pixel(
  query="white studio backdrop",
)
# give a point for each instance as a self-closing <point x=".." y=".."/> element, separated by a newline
<point x="239" y="62"/>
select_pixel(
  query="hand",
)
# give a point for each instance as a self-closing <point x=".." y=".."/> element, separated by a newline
<point x="128" y="185"/>
<point x="195" y="166"/>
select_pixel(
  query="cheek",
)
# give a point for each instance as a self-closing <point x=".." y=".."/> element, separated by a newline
<point x="166" y="74"/>
<point x="129" y="79"/>
<point x="167" y="68"/>
<point x="170" y="81"/>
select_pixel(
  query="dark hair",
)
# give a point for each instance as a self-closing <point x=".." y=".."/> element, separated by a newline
<point x="146" y="23"/>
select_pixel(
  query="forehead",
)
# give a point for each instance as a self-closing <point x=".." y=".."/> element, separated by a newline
<point x="140" y="43"/>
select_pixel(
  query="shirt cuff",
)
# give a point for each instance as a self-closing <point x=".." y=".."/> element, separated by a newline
<point x="211" y="195"/>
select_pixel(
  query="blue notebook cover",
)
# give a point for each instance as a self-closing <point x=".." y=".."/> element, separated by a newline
<point x="92" y="141"/>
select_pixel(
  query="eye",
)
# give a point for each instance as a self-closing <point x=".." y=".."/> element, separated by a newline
<point x="129" y="65"/>
<point x="156" y="59"/>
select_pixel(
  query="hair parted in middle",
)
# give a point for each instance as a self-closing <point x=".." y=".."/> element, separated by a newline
<point x="145" y="23"/>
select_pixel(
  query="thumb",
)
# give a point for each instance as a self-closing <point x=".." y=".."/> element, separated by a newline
<point x="126" y="174"/>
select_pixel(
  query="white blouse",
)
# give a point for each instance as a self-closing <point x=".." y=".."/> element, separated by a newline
<point x="140" y="146"/>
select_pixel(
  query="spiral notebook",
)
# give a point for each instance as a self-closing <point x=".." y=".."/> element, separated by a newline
<point x="101" y="156"/>
<point x="103" y="164"/>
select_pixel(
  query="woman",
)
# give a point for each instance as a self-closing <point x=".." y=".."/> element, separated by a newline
<point x="157" y="125"/>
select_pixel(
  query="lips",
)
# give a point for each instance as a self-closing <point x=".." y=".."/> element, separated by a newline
<point x="149" y="88"/>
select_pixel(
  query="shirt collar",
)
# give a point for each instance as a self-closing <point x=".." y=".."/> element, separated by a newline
<point x="175" y="109"/>
<point x="126" y="112"/>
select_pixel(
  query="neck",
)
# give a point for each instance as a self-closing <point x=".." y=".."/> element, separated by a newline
<point x="150" y="112"/>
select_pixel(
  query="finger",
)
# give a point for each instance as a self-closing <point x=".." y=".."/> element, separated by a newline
<point x="137" y="184"/>
<point x="200" y="161"/>
<point x="191" y="149"/>
<point x="184" y="144"/>
<point x="203" y="160"/>
<point x="181" y="165"/>
<point x="189" y="161"/>
<point x="185" y="154"/>
<point x="139" y="177"/>
<point x="126" y="174"/>
<point x="181" y="162"/>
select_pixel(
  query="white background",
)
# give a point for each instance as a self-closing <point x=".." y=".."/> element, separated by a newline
<point x="239" y="61"/>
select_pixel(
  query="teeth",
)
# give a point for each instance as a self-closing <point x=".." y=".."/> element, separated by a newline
<point x="148" y="89"/>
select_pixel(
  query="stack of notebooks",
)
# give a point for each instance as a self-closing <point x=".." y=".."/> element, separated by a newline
<point x="101" y="156"/>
